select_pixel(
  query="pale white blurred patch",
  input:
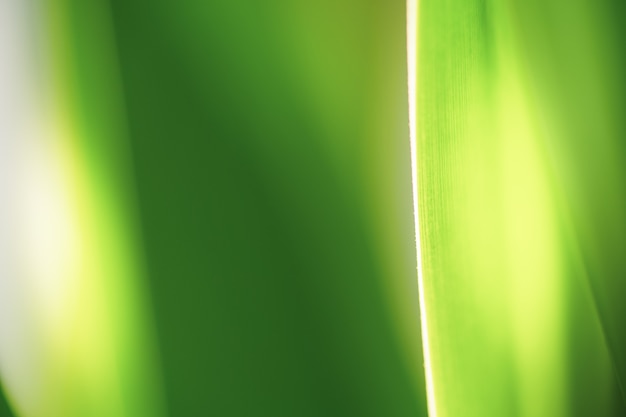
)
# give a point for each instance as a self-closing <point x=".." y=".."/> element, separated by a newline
<point x="35" y="222"/>
<point x="47" y="235"/>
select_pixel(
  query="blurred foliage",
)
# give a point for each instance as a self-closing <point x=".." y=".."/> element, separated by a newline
<point x="264" y="136"/>
<point x="242" y="174"/>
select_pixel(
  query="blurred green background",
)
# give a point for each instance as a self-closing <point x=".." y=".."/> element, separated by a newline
<point x="261" y="149"/>
<point x="239" y="177"/>
<point x="269" y="142"/>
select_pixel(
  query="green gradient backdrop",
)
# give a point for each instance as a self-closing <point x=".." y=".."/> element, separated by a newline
<point x="269" y="140"/>
<point x="249" y="181"/>
<point x="270" y="172"/>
